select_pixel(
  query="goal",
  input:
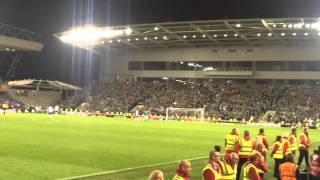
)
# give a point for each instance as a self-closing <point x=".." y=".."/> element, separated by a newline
<point x="184" y="112"/>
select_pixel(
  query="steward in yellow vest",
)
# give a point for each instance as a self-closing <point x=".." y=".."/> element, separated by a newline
<point x="277" y="155"/>
<point x="212" y="171"/>
<point x="250" y="170"/>
<point x="286" y="143"/>
<point x="231" y="140"/>
<point x="244" y="147"/>
<point x="261" y="165"/>
<point x="229" y="166"/>
<point x="261" y="139"/>
<point x="184" y="171"/>
<point x="293" y="141"/>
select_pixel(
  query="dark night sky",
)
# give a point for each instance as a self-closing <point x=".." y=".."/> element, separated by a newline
<point x="56" y="61"/>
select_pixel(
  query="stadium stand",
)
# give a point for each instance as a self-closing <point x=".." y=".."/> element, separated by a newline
<point x="224" y="99"/>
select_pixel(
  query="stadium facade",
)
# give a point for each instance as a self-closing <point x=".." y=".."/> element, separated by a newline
<point x="261" y="49"/>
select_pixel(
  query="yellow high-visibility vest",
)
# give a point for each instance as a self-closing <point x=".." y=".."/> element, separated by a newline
<point x="231" y="141"/>
<point x="256" y="152"/>
<point x="228" y="173"/>
<point x="209" y="167"/>
<point x="279" y="153"/>
<point x="293" y="146"/>
<point x="246" y="171"/>
<point x="246" y="147"/>
<point x="177" y="177"/>
<point x="284" y="141"/>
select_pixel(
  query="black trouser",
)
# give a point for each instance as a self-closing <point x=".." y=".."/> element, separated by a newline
<point x="277" y="163"/>
<point x="303" y="154"/>
<point x="240" y="164"/>
<point x="314" y="177"/>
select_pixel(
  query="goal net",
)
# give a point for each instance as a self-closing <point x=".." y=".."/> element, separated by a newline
<point x="183" y="113"/>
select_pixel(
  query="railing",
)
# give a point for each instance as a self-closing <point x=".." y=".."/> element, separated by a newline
<point x="12" y="31"/>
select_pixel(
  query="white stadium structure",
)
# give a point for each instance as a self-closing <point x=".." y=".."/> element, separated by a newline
<point x="260" y="49"/>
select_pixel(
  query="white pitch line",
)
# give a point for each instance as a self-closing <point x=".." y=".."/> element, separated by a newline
<point x="132" y="168"/>
<point x="127" y="169"/>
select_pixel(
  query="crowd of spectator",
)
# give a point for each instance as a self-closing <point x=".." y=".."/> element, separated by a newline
<point x="225" y="99"/>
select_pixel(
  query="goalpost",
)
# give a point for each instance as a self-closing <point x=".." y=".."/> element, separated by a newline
<point x="195" y="111"/>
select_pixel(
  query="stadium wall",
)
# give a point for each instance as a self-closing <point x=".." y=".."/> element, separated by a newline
<point x="116" y="66"/>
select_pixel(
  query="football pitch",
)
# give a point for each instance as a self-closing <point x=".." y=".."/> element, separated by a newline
<point x="34" y="146"/>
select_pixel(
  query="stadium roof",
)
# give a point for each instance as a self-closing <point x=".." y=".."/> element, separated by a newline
<point x="255" y="32"/>
<point x="14" y="38"/>
<point x="41" y="84"/>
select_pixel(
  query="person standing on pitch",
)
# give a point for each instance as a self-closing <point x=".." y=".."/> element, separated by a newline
<point x="289" y="170"/>
<point x="250" y="170"/>
<point x="184" y="171"/>
<point x="293" y="141"/>
<point x="277" y="155"/>
<point x="315" y="165"/>
<point x="231" y="141"/>
<point x="305" y="144"/>
<point x="156" y="175"/>
<point x="212" y="171"/>
<point x="261" y="139"/>
<point x="229" y="166"/>
<point x="286" y="144"/>
<point x="261" y="165"/>
<point x="244" y="147"/>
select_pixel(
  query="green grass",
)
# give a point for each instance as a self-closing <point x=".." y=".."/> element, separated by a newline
<point x="34" y="146"/>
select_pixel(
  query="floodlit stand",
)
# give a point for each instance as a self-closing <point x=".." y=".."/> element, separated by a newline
<point x="201" y="110"/>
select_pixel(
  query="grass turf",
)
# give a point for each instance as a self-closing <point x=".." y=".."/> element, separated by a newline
<point x="34" y="146"/>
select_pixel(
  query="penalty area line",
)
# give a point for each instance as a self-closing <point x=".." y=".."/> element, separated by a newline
<point x="128" y="169"/>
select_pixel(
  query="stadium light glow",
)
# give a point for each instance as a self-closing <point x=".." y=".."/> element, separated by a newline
<point x="128" y="31"/>
<point x="102" y="42"/>
<point x="225" y="35"/>
<point x="165" y="37"/>
<point x="209" y="69"/>
<point x="204" y="36"/>
<point x="259" y="34"/>
<point x="274" y="25"/>
<point x="235" y="35"/>
<point x="128" y="40"/>
<point x="308" y="26"/>
<point x="284" y="25"/>
<point x="269" y="34"/>
<point x="306" y="34"/>
<point x="290" y="26"/>
<point x="216" y="35"/>
<point x="156" y="38"/>
<point x="119" y="40"/>
<point x="145" y="38"/>
<point x="194" y="36"/>
<point x="137" y="39"/>
<point x="181" y="62"/>
<point x="184" y="36"/>
<point x="190" y="64"/>
<point x="319" y="34"/>
<point x="315" y="26"/>
<point x="91" y="35"/>
<point x="156" y="28"/>
<point x="110" y="41"/>
<point x="238" y="25"/>
<point x="165" y="78"/>
<point x="283" y="34"/>
<point x="294" y="34"/>
<point x="299" y="25"/>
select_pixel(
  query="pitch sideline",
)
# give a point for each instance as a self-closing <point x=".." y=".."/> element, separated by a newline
<point x="133" y="168"/>
<point x="128" y="169"/>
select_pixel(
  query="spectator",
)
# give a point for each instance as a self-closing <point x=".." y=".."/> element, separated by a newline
<point x="156" y="175"/>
